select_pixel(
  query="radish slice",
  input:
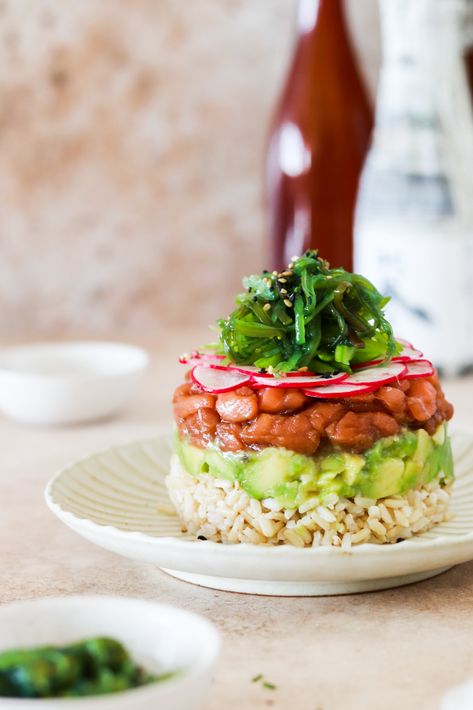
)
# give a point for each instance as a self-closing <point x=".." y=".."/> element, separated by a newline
<point x="196" y="358"/>
<point x="218" y="380"/>
<point x="364" y="365"/>
<point x="252" y="370"/>
<point x="306" y="381"/>
<point x="248" y="370"/>
<point x="418" y="368"/>
<point x="341" y="390"/>
<point x="377" y="375"/>
<point x="406" y="343"/>
<point x="407" y="354"/>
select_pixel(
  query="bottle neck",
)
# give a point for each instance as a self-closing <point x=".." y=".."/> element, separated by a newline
<point x="313" y="13"/>
<point x="424" y="30"/>
<point x="424" y="118"/>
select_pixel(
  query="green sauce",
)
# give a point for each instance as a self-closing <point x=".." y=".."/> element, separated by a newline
<point x="96" y="666"/>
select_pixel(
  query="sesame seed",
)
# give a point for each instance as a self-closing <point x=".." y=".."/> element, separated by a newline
<point x="282" y="281"/>
<point x="283" y="290"/>
<point x="275" y="273"/>
<point x="266" y="307"/>
<point x="294" y="258"/>
<point x="286" y="273"/>
<point x="303" y="369"/>
<point x="287" y="302"/>
<point x="267" y="282"/>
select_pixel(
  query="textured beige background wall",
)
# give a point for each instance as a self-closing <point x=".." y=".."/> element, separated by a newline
<point x="131" y="143"/>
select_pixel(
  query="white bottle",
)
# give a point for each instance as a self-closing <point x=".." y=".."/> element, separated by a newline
<point x="414" y="221"/>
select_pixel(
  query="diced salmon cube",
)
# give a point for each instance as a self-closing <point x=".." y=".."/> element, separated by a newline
<point x="237" y="406"/>
<point x="274" y="400"/>
<point x="393" y="399"/>
<point x="421" y="400"/>
<point x="185" y="406"/>
<point x="228" y="435"/>
<point x="359" y="431"/>
<point x="291" y="431"/>
<point x="201" y="426"/>
<point x="324" y="413"/>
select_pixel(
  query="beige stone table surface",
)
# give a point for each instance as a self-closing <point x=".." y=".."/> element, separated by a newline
<point x="394" y="649"/>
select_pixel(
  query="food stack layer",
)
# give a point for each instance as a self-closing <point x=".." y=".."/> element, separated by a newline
<point x="308" y="423"/>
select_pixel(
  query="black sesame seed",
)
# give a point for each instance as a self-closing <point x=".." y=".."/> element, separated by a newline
<point x="201" y="537"/>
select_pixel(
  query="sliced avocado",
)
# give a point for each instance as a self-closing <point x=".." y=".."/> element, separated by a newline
<point x="271" y="468"/>
<point x="388" y="479"/>
<point x="392" y="466"/>
<point x="353" y="465"/>
<point x="424" y="448"/>
<point x="287" y="494"/>
<point x="222" y="466"/>
<point x="218" y="464"/>
<point x="191" y="457"/>
<point x="413" y="476"/>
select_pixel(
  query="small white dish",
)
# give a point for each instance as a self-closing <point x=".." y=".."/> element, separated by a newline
<point x="159" y="637"/>
<point x="459" y="698"/>
<point x="70" y="382"/>
<point x="118" y="500"/>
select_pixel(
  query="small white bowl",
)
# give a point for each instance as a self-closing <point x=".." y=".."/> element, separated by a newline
<point x="68" y="383"/>
<point x="459" y="698"/>
<point x="159" y="637"/>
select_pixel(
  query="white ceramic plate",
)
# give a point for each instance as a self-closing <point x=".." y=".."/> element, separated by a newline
<point x="117" y="499"/>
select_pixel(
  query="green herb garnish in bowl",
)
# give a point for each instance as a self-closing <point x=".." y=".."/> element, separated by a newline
<point x="96" y="666"/>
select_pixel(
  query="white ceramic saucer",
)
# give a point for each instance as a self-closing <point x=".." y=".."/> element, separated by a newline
<point x="117" y="499"/>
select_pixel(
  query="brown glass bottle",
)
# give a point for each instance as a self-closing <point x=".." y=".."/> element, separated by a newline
<point x="319" y="138"/>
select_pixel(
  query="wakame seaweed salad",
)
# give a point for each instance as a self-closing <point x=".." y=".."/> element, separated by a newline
<point x="308" y="317"/>
<point x="96" y="666"/>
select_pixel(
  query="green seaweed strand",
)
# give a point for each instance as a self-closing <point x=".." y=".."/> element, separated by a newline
<point x="309" y="316"/>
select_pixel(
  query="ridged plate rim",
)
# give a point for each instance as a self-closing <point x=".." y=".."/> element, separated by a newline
<point x="189" y="554"/>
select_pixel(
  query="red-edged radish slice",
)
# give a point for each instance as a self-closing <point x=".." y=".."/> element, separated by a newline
<point x="196" y="358"/>
<point x="300" y="382"/>
<point x="252" y="370"/>
<point x="215" y="380"/>
<point x="377" y="375"/>
<point x="364" y="365"/>
<point x="406" y="343"/>
<point x="408" y="354"/>
<point x="247" y="370"/>
<point x="340" y="390"/>
<point x="418" y="368"/>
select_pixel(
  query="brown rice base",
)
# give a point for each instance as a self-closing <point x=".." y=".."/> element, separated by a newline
<point x="222" y="511"/>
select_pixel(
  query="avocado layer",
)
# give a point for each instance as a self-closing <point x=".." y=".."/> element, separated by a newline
<point x="392" y="466"/>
